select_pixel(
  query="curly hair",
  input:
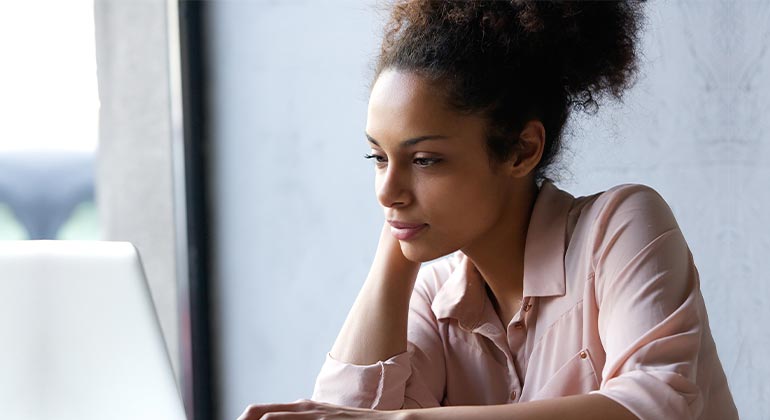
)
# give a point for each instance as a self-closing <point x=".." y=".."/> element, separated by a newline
<point x="513" y="60"/>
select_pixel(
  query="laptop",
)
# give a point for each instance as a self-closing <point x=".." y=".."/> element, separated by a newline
<point x="79" y="336"/>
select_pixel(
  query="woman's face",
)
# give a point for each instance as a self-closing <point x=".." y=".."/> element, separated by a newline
<point x="445" y="180"/>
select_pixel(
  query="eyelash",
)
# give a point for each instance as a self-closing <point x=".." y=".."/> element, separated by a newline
<point x="377" y="158"/>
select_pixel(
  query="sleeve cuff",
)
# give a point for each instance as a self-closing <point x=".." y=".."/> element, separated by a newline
<point x="378" y="386"/>
<point x="654" y="395"/>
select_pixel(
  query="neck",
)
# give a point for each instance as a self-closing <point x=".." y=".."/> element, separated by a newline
<point x="499" y="253"/>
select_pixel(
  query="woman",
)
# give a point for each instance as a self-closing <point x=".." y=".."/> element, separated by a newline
<point x="548" y="305"/>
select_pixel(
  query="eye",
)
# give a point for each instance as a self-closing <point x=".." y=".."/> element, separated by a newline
<point x="377" y="158"/>
<point x="421" y="162"/>
<point x="425" y="162"/>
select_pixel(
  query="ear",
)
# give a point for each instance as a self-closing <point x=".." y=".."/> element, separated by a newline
<point x="530" y="149"/>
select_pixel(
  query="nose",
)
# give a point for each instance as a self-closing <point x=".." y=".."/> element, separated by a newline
<point x="392" y="187"/>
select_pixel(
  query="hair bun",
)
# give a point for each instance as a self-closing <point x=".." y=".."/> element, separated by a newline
<point x="592" y="43"/>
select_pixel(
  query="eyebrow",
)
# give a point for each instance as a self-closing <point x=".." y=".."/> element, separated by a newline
<point x="410" y="142"/>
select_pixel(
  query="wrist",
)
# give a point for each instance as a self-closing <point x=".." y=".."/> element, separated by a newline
<point x="408" y="414"/>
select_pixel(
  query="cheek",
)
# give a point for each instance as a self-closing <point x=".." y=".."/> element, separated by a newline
<point x="461" y="214"/>
<point x="458" y="211"/>
<point x="461" y="205"/>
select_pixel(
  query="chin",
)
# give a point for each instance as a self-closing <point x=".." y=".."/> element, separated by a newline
<point x="421" y="253"/>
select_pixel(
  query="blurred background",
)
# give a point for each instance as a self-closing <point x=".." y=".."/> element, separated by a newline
<point x="224" y="138"/>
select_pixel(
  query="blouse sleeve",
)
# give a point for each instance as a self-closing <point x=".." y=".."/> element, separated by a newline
<point x="411" y="379"/>
<point x="651" y="314"/>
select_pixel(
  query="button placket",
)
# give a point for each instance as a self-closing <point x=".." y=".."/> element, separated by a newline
<point x="515" y="387"/>
<point x="526" y="304"/>
<point x="516" y="340"/>
<point x="521" y="316"/>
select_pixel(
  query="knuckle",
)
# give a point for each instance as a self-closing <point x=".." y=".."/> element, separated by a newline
<point x="251" y="413"/>
<point x="305" y="403"/>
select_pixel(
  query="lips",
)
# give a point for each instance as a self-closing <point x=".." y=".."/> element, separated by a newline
<point x="404" y="231"/>
<point x="404" y="225"/>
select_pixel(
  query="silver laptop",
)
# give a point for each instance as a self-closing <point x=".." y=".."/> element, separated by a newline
<point x="79" y="336"/>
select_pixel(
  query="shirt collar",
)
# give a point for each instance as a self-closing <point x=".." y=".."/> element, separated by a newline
<point x="463" y="295"/>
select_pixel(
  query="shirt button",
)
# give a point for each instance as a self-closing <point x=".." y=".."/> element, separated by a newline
<point x="513" y="395"/>
<point x="527" y="307"/>
<point x="583" y="355"/>
<point x="518" y="325"/>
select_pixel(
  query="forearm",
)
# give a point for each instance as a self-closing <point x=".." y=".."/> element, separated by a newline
<point x="578" y="407"/>
<point x="375" y="328"/>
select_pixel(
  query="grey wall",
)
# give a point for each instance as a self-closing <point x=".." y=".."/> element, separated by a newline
<point x="296" y="220"/>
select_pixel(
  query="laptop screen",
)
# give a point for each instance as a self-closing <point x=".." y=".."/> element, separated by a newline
<point x="81" y="339"/>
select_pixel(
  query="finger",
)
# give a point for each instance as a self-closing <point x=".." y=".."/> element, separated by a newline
<point x="294" y="415"/>
<point x="256" y="411"/>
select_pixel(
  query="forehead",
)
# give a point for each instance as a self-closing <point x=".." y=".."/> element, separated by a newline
<point x="404" y="105"/>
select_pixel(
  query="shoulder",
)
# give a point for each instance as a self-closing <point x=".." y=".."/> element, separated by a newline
<point x="621" y="198"/>
<point x="625" y="206"/>
<point x="617" y="224"/>
<point x="631" y="236"/>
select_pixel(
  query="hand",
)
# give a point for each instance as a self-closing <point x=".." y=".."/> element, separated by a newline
<point x="312" y="410"/>
<point x="389" y="250"/>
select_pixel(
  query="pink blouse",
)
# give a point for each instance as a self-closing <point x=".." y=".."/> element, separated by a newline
<point x="612" y="305"/>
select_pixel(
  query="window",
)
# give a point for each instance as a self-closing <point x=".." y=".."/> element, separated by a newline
<point x="50" y="111"/>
